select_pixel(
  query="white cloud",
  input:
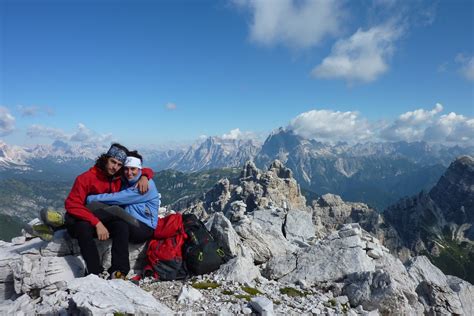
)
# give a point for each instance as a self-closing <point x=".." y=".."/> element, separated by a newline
<point x="34" y="110"/>
<point x="331" y="125"/>
<point x="362" y="57"/>
<point x="466" y="66"/>
<point x="420" y="116"/>
<point x="47" y="132"/>
<point x="428" y="125"/>
<point x="7" y="121"/>
<point x="410" y="126"/>
<point x="82" y="135"/>
<point x="416" y="125"/>
<point x="238" y="134"/>
<point x="294" y="23"/>
<point x="170" y="106"/>
<point x="451" y="128"/>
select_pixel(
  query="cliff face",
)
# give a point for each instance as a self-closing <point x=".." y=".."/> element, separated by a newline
<point x="454" y="192"/>
<point x="440" y="223"/>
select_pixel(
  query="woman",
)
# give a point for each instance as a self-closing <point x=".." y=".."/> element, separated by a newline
<point x="143" y="207"/>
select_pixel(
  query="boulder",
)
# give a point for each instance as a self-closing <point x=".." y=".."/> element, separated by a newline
<point x="299" y="226"/>
<point x="221" y="229"/>
<point x="91" y="295"/>
<point x="262" y="233"/>
<point x="240" y="269"/>
<point x="465" y="292"/>
<point x="333" y="258"/>
<point x="433" y="288"/>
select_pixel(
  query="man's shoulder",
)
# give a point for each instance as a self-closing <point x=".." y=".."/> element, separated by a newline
<point x="89" y="174"/>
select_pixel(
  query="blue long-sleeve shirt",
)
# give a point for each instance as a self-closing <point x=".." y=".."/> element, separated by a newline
<point x="144" y="207"/>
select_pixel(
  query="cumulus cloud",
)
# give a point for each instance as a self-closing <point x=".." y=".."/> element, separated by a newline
<point x="410" y="126"/>
<point x="430" y="126"/>
<point x="362" y="57"/>
<point x="451" y="128"/>
<point x="82" y="135"/>
<point x="466" y="66"/>
<point x="331" y="125"/>
<point x="416" y="125"/>
<point x="34" y="110"/>
<point x="7" y="121"/>
<point x="294" y="23"/>
<point x="170" y="106"/>
<point x="238" y="134"/>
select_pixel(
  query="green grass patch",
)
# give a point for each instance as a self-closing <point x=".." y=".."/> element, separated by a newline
<point x="454" y="258"/>
<point x="292" y="292"/>
<point x="205" y="285"/>
<point x="246" y="297"/>
<point x="227" y="292"/>
<point x="250" y="290"/>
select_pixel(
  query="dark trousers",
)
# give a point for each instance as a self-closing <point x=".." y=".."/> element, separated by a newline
<point x="120" y="232"/>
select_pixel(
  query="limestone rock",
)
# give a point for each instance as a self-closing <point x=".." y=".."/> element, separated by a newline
<point x="221" y="229"/>
<point x="262" y="234"/>
<point x="262" y="305"/>
<point x="257" y="189"/>
<point x="189" y="294"/>
<point x="433" y="288"/>
<point x="330" y="213"/>
<point x="330" y="260"/>
<point x="465" y="292"/>
<point x="240" y="269"/>
<point x="115" y="296"/>
<point x="34" y="272"/>
<point x="299" y="226"/>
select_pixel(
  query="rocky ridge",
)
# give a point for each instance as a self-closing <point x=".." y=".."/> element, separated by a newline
<point x="286" y="258"/>
<point x="440" y="223"/>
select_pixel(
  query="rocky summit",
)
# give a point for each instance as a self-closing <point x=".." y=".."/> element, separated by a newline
<point x="286" y="258"/>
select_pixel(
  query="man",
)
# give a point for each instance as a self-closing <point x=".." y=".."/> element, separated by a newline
<point x="85" y="225"/>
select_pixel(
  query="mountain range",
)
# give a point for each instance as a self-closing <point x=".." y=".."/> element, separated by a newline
<point x="374" y="173"/>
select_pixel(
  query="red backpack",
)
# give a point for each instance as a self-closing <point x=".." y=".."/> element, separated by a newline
<point x="164" y="253"/>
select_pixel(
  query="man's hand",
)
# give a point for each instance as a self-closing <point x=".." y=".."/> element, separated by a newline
<point x="102" y="232"/>
<point x="142" y="185"/>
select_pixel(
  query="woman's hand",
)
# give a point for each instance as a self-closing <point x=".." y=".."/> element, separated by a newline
<point x="142" y="185"/>
<point x="102" y="232"/>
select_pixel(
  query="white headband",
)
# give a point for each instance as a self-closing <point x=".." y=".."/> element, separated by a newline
<point x="133" y="162"/>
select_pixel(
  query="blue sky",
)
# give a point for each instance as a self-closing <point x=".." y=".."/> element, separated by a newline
<point x="155" y="72"/>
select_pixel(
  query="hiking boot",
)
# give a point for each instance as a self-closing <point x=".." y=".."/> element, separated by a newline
<point x="136" y="279"/>
<point x="42" y="231"/>
<point x="118" y="275"/>
<point x="51" y="217"/>
<point x="104" y="275"/>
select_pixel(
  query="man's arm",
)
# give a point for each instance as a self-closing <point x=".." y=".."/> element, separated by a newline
<point x="148" y="172"/>
<point x="74" y="203"/>
<point x="142" y="184"/>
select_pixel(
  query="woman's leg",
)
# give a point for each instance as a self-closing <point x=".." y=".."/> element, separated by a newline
<point x="140" y="234"/>
<point x="107" y="213"/>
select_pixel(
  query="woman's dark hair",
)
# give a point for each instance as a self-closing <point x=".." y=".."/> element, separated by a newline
<point x="101" y="161"/>
<point x="135" y="154"/>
